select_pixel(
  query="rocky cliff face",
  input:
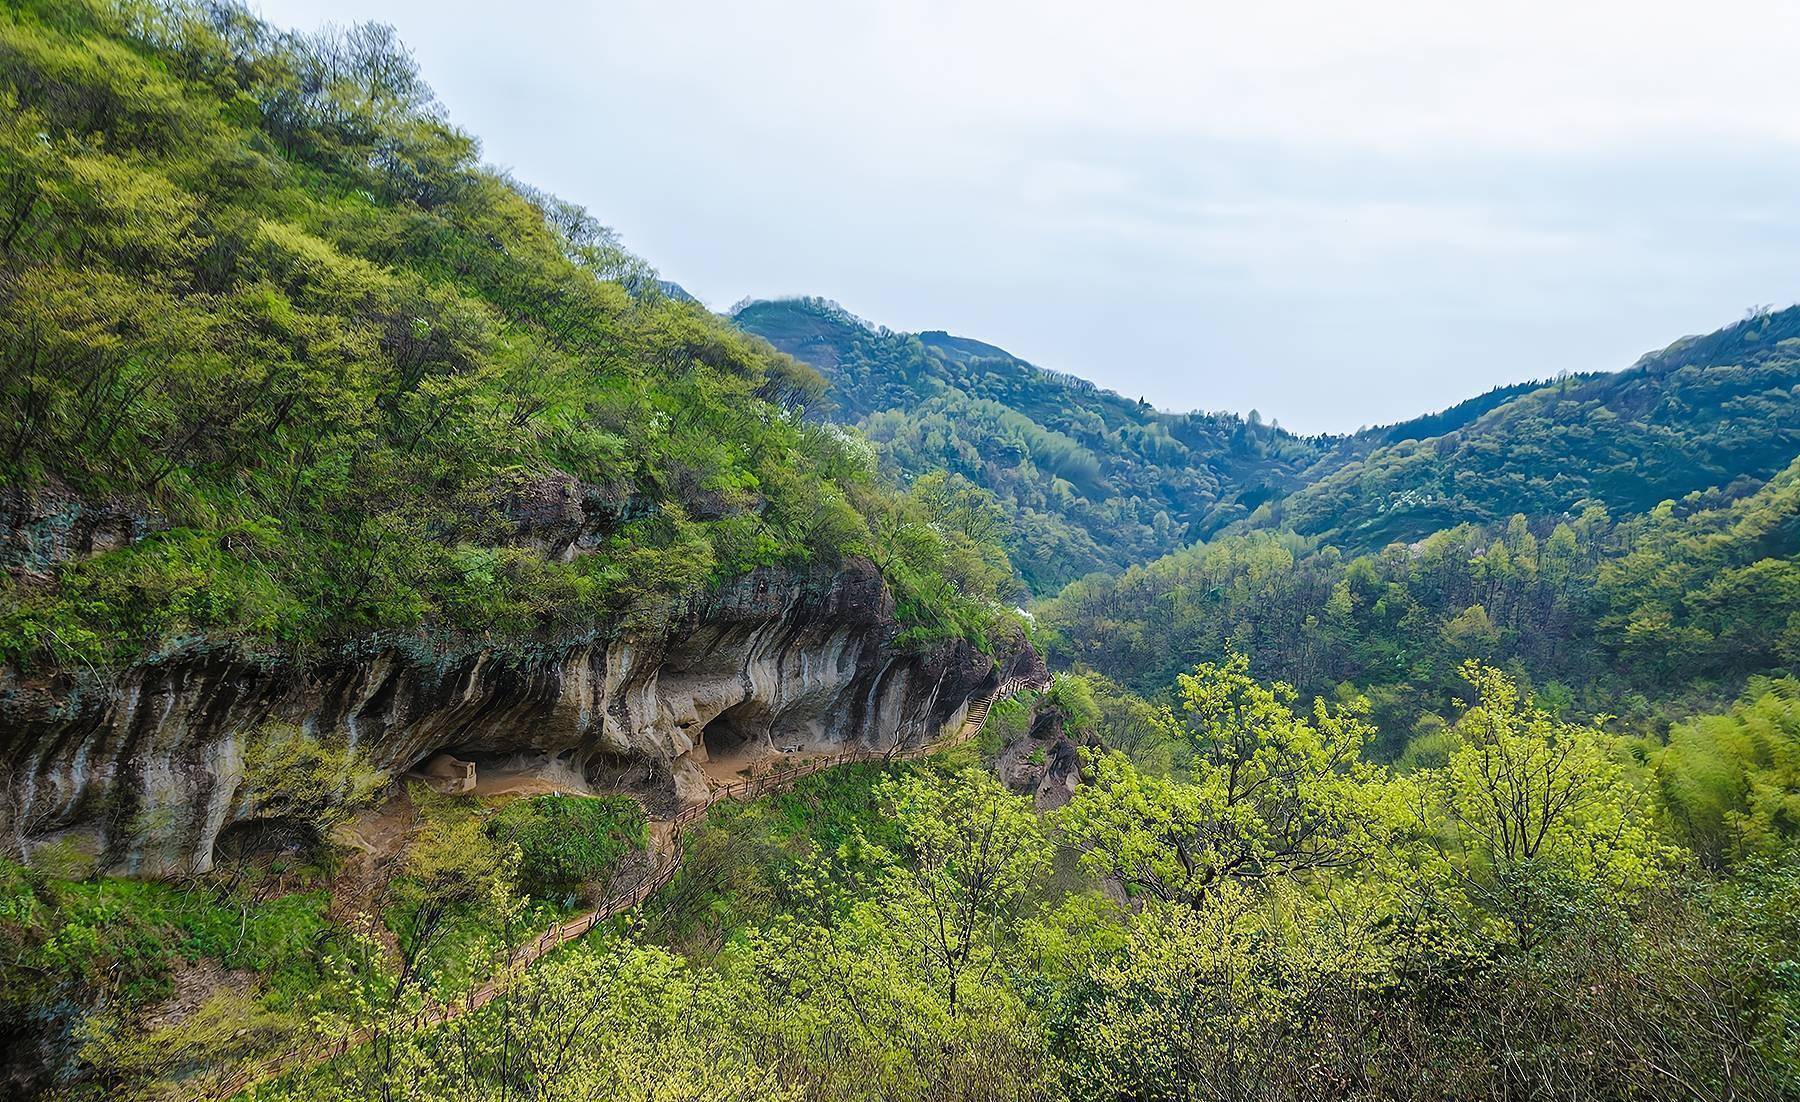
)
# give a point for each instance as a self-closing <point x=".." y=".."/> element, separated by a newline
<point x="1046" y="763"/>
<point x="147" y="768"/>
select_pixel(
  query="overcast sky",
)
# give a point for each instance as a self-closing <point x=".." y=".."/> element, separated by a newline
<point x="1339" y="214"/>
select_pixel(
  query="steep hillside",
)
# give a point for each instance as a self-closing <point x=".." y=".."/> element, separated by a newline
<point x="287" y="365"/>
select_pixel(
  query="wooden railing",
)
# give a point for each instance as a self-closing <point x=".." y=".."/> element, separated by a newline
<point x="659" y="874"/>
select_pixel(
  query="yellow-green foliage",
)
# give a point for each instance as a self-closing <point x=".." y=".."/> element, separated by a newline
<point x="1073" y="696"/>
<point x="1271" y="793"/>
<point x="228" y="1027"/>
<point x="747" y="864"/>
<point x="1731" y="782"/>
<point x="295" y="778"/>
<point x="455" y="906"/>
<point x="970" y="854"/>
<point x="254" y="286"/>
<point x="1529" y="798"/>
<point x="92" y="957"/>
<point x="1302" y="921"/>
<point x="840" y="994"/>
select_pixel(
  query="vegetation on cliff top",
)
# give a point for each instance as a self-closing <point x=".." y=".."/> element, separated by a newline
<point x="260" y="296"/>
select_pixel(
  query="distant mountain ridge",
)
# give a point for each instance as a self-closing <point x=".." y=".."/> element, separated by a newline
<point x="1092" y="480"/>
<point x="1095" y="481"/>
<point x="1715" y="411"/>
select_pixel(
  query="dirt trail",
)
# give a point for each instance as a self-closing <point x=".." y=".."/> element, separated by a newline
<point x="380" y="832"/>
<point x="375" y="837"/>
<point x="721" y="770"/>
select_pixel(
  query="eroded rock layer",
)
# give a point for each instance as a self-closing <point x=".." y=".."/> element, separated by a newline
<point x="146" y="769"/>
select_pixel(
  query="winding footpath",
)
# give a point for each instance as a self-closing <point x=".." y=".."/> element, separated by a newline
<point x="668" y="861"/>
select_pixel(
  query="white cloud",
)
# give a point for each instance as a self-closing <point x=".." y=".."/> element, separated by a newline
<point x="1529" y="74"/>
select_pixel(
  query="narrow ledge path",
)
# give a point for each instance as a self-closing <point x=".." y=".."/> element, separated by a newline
<point x="668" y="844"/>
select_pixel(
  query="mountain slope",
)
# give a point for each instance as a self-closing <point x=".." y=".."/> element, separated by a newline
<point x="1092" y="480"/>
<point x="1096" y="481"/>
<point x="1642" y="617"/>
<point x="285" y="365"/>
<point x="1705" y="412"/>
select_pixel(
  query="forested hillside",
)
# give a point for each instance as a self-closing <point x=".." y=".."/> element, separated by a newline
<point x="1094" y="481"/>
<point x="328" y="451"/>
<point x="1609" y="537"/>
<point x="1091" y="480"/>
<point x="279" y="345"/>
<point x="1525" y="524"/>
<point x="1621" y="615"/>
<point x="1704" y="412"/>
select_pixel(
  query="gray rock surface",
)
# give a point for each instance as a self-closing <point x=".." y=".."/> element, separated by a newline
<point x="143" y="768"/>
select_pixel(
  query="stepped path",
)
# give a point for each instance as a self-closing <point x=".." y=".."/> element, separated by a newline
<point x="666" y="839"/>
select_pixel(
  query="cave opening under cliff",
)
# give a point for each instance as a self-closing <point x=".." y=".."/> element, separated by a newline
<point x="737" y="730"/>
<point x="251" y="839"/>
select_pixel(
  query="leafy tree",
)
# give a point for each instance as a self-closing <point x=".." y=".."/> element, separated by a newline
<point x="1273" y="793"/>
<point x="969" y="852"/>
<point x="1731" y="782"/>
<point x="295" y="779"/>
<point x="1535" y="803"/>
<point x="1175" y="1014"/>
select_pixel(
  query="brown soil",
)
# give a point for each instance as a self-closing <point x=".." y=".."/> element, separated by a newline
<point x="195" y="982"/>
<point x="500" y="782"/>
<point x="376" y="838"/>
<point x="751" y="761"/>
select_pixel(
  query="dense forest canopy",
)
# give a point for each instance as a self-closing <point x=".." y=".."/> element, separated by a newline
<point x="1097" y="482"/>
<point x="1704" y="413"/>
<point x="1635" y="617"/>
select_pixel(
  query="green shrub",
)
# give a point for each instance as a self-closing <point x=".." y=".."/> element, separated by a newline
<point x="125" y="936"/>
<point x="812" y="850"/>
<point x="300" y="780"/>
<point x="1008" y="721"/>
<point x="1073" y="695"/>
<point x="565" y="841"/>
